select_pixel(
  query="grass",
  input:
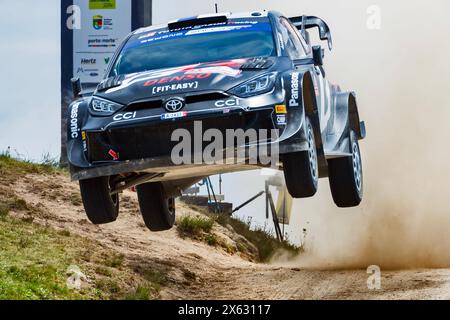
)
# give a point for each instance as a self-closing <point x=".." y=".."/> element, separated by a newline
<point x="264" y="242"/>
<point x="7" y="163"/>
<point x="114" y="261"/>
<point x="141" y="293"/>
<point x="35" y="259"/>
<point x="193" y="225"/>
<point x="33" y="262"/>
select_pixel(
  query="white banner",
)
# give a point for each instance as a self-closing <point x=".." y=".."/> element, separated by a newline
<point x="104" y="24"/>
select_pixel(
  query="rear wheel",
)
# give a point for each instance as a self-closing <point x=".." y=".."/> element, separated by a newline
<point x="101" y="207"/>
<point x="157" y="209"/>
<point x="301" y="170"/>
<point x="346" y="177"/>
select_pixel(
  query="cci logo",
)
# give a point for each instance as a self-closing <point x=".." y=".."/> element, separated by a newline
<point x="227" y="103"/>
<point x="174" y="104"/>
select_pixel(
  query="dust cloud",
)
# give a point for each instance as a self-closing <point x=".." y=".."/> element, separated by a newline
<point x="402" y="78"/>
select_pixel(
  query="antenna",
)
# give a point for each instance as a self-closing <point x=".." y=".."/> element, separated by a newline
<point x="217" y="8"/>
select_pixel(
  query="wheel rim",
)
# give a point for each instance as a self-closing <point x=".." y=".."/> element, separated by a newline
<point x="171" y="206"/>
<point x="312" y="153"/>
<point x="114" y="197"/>
<point x="357" y="166"/>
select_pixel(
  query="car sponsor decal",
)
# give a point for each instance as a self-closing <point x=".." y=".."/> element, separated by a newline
<point x="74" y="122"/>
<point x="199" y="71"/>
<point x="281" y="119"/>
<point x="125" y="116"/>
<point x="114" y="155"/>
<point x="280" y="109"/>
<point x="280" y="40"/>
<point x="84" y="137"/>
<point x="293" y="101"/>
<point x="175" y="87"/>
<point x="162" y="35"/>
<point x="174" y="115"/>
<point x="148" y="35"/>
<point x="227" y="103"/>
<point x="185" y="77"/>
<point x="217" y="29"/>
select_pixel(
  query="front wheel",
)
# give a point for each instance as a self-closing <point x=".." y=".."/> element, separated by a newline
<point x="157" y="209"/>
<point x="100" y="205"/>
<point x="301" y="170"/>
<point x="346" y="177"/>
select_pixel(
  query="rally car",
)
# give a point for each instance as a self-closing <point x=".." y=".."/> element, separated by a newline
<point x="223" y="71"/>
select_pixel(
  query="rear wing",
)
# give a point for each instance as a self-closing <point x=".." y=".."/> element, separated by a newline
<point x="303" y="23"/>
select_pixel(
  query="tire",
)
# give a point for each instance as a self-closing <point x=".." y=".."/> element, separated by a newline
<point x="101" y="207"/>
<point x="157" y="210"/>
<point x="301" y="169"/>
<point x="346" y="177"/>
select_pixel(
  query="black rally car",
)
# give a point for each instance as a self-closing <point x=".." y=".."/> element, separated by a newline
<point x="227" y="71"/>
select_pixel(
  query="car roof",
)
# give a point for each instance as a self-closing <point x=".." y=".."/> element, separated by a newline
<point x="230" y="15"/>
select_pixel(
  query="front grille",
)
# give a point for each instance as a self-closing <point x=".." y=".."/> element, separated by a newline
<point x="145" y="105"/>
<point x="206" y="97"/>
<point x="155" y="141"/>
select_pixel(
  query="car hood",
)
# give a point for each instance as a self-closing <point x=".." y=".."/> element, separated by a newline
<point x="211" y="76"/>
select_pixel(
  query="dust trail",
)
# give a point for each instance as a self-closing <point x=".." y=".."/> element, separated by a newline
<point x="402" y="87"/>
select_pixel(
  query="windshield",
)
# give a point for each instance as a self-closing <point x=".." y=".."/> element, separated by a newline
<point x="164" y="49"/>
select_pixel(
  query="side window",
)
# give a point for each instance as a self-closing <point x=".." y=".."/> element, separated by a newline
<point x="292" y="42"/>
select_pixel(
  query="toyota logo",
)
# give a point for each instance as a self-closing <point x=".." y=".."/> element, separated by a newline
<point x="174" y="104"/>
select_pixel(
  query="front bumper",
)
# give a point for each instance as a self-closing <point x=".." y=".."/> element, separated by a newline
<point x="141" y="140"/>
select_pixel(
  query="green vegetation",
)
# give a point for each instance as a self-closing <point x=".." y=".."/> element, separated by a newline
<point x="11" y="166"/>
<point x="36" y="260"/>
<point x="260" y="239"/>
<point x="266" y="244"/>
<point x="114" y="261"/>
<point x="195" y="226"/>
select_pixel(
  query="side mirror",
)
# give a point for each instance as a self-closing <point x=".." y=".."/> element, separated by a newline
<point x="318" y="55"/>
<point x="76" y="87"/>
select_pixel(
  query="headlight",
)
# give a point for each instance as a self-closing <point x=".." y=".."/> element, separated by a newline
<point x="256" y="86"/>
<point x="102" y="107"/>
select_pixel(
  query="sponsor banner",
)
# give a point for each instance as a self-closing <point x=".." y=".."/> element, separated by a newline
<point x="104" y="25"/>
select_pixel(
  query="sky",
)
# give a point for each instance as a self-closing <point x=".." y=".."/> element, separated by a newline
<point x="30" y="83"/>
<point x="396" y="67"/>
